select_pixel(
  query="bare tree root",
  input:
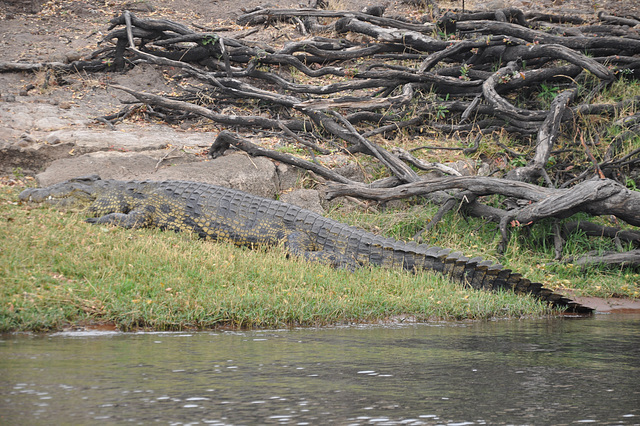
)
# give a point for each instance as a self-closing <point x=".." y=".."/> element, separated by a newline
<point x="629" y="258"/>
<point x="369" y="78"/>
<point x="595" y="197"/>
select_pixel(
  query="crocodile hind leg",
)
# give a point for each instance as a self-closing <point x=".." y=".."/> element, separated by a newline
<point x="299" y="244"/>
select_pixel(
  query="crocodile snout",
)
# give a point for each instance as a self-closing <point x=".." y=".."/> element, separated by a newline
<point x="33" y="194"/>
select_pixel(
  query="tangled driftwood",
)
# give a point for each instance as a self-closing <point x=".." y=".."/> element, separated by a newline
<point x="363" y="75"/>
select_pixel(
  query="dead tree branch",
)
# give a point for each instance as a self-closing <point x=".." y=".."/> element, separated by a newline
<point x="372" y="80"/>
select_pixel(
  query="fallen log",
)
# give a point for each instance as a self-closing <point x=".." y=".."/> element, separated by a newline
<point x="230" y="120"/>
<point x="596" y="197"/>
<point x="594" y="230"/>
<point x="226" y="139"/>
<point x="629" y="258"/>
<point x="582" y="44"/>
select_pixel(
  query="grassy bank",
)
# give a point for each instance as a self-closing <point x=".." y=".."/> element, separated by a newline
<point x="58" y="271"/>
<point x="529" y="252"/>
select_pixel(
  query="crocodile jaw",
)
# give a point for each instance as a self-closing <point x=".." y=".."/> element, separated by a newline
<point x="79" y="190"/>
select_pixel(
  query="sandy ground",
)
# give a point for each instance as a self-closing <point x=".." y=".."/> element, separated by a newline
<point x="610" y="305"/>
<point x="66" y="30"/>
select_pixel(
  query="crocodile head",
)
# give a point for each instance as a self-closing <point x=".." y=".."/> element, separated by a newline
<point x="77" y="191"/>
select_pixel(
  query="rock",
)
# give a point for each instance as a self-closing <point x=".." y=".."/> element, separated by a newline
<point x="109" y="165"/>
<point x="143" y="77"/>
<point x="52" y="139"/>
<point x="255" y="175"/>
<point x="72" y="56"/>
<point x="139" y="6"/>
<point x="288" y="176"/>
<point x="50" y="123"/>
<point x="18" y="120"/>
<point x="32" y="158"/>
<point x="239" y="171"/>
<point x="306" y="198"/>
<point x="26" y="137"/>
<point x="485" y="169"/>
<point x="351" y="171"/>
<point x="154" y="138"/>
<point x="91" y="140"/>
<point x="334" y="160"/>
<point x="114" y="165"/>
<point x="499" y="4"/>
<point x="470" y="168"/>
<point x="377" y="10"/>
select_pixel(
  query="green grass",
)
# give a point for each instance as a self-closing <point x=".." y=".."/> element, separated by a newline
<point x="58" y="271"/>
<point x="530" y="250"/>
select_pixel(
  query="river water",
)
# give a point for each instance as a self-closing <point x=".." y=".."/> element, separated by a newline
<point x="557" y="371"/>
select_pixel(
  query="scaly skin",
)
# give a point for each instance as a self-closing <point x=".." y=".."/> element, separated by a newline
<point x="225" y="214"/>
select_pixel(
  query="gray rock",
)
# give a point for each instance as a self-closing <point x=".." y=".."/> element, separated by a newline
<point x="50" y="123"/>
<point x="26" y="137"/>
<point x="239" y="171"/>
<point x="334" y="160"/>
<point x="142" y="77"/>
<point x="255" y="175"/>
<point x="351" y="171"/>
<point x="19" y="120"/>
<point x="289" y="176"/>
<point x="470" y="168"/>
<point x="91" y="140"/>
<point x="464" y="167"/>
<point x="306" y="198"/>
<point x="52" y="138"/>
<point x="109" y="165"/>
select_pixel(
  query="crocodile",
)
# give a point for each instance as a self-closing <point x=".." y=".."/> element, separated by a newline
<point x="224" y="214"/>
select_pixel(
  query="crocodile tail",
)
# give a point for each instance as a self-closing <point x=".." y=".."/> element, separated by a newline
<point x="471" y="272"/>
<point x="486" y="275"/>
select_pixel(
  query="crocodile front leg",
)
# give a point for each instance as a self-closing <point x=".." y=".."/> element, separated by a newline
<point x="133" y="219"/>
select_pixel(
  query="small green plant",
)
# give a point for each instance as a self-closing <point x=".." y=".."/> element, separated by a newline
<point x="547" y="93"/>
<point x="518" y="162"/>
<point x="18" y="173"/>
<point x="441" y="112"/>
<point x="504" y="79"/>
<point x="260" y="54"/>
<point x="631" y="184"/>
<point x="552" y="161"/>
<point x="210" y="39"/>
<point x="624" y="71"/>
<point x="464" y="72"/>
<point x="288" y="149"/>
<point x="351" y="72"/>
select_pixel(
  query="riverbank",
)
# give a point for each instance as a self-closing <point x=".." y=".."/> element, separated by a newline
<point x="62" y="273"/>
<point x="58" y="272"/>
